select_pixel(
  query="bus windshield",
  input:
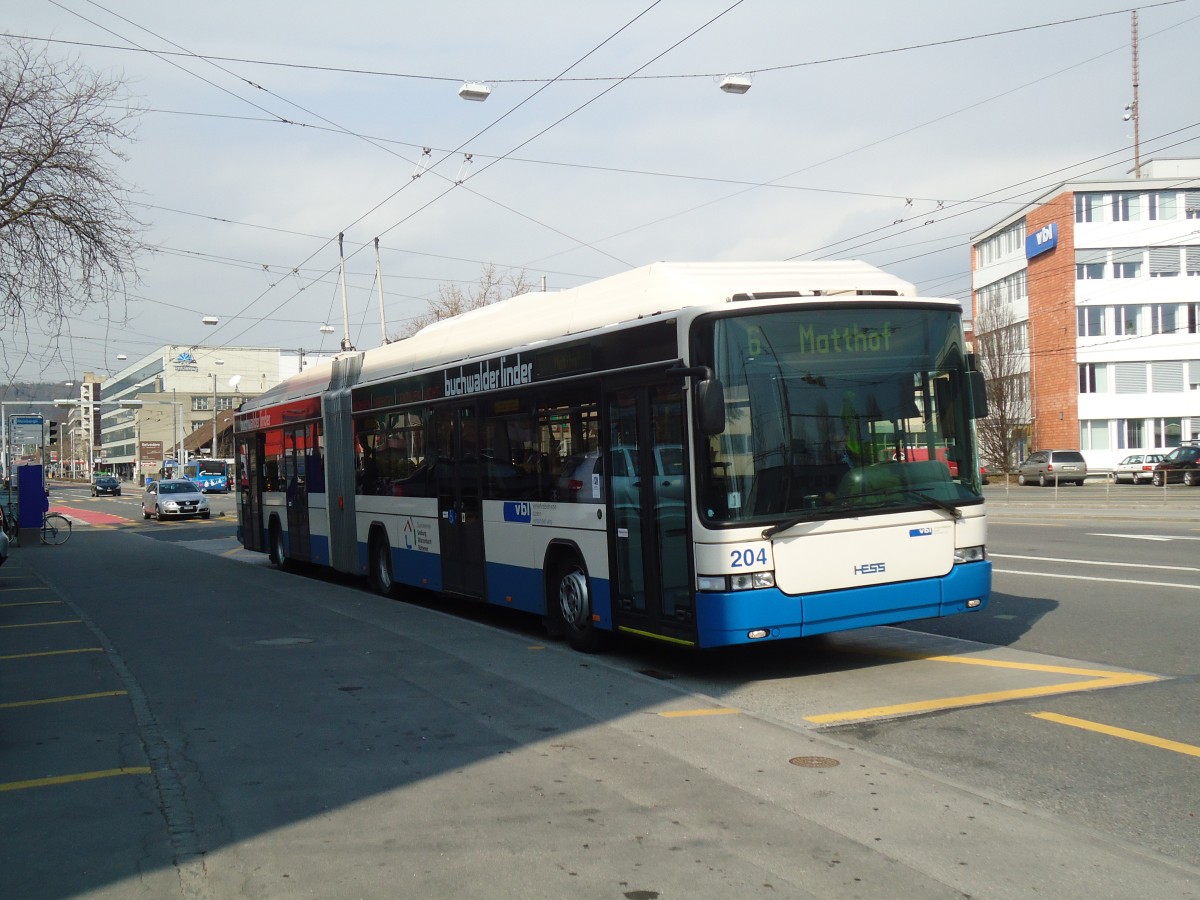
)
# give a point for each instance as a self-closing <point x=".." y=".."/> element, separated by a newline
<point x="210" y="467"/>
<point x="835" y="412"/>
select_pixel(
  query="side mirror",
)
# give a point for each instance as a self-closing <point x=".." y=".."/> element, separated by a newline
<point x="710" y="405"/>
<point x="978" y="394"/>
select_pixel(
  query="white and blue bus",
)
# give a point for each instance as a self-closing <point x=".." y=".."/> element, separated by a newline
<point x="705" y="454"/>
<point x="211" y="475"/>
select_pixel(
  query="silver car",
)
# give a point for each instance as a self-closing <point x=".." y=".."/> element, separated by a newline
<point x="1135" y="468"/>
<point x="1053" y="467"/>
<point x="174" y="498"/>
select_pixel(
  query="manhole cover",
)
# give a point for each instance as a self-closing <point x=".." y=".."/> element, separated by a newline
<point x="814" y="762"/>
<point x="283" y="642"/>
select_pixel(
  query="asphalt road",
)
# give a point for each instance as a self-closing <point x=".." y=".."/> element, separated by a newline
<point x="178" y="718"/>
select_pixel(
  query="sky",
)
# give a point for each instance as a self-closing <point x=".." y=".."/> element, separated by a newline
<point x="875" y="130"/>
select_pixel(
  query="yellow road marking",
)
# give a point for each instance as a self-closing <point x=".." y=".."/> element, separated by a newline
<point x="1098" y="679"/>
<point x="22" y="703"/>
<point x="40" y="624"/>
<point x="68" y="779"/>
<point x="683" y="713"/>
<point x="52" y="653"/>
<point x="1137" y="736"/>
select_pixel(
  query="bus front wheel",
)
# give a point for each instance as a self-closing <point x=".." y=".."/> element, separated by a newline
<point x="570" y="603"/>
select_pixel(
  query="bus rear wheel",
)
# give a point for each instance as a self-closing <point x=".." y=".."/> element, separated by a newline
<point x="570" y="607"/>
<point x="382" y="579"/>
<point x="278" y="554"/>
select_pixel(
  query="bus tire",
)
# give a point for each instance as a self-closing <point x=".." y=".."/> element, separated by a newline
<point x="278" y="554"/>
<point x="569" y="604"/>
<point x="383" y="579"/>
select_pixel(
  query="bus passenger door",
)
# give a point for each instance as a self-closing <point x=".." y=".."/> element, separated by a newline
<point x="295" y="448"/>
<point x="458" y="472"/>
<point x="250" y="490"/>
<point x="652" y="584"/>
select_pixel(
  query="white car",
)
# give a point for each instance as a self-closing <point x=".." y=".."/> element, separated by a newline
<point x="1135" y="468"/>
<point x="174" y="498"/>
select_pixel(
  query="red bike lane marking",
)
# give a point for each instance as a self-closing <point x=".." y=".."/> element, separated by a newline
<point x="90" y="516"/>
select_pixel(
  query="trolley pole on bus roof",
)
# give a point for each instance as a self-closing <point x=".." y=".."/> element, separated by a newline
<point x="379" y="282"/>
<point x="346" y="345"/>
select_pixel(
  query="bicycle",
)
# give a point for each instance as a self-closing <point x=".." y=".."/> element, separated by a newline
<point x="56" y="528"/>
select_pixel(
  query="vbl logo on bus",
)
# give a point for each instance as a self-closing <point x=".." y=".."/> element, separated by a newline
<point x="518" y="511"/>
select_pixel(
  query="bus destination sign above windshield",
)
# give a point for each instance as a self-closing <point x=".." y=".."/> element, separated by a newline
<point x="489" y="375"/>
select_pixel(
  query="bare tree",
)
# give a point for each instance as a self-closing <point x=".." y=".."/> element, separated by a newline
<point x="67" y="237"/>
<point x="451" y="299"/>
<point x="1003" y="352"/>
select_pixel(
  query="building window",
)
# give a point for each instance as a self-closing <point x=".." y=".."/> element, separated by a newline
<point x="1127" y="263"/>
<point x="1126" y="206"/>
<point x="1129" y="320"/>
<point x="1193" y="318"/>
<point x="226" y="402"/>
<point x="1130" y="378"/>
<point x="1194" y="375"/>
<point x="1093" y="434"/>
<point x="1166" y="376"/>
<point x="1090" y="207"/>
<point x="1191" y="204"/>
<point x="1193" y="260"/>
<point x="1131" y="434"/>
<point x="1090" y="320"/>
<point x="200" y="404"/>
<point x="1164" y="318"/>
<point x="1168" y="432"/>
<point x="1089" y="264"/>
<point x="1163" y="205"/>
<point x="1093" y="378"/>
<point x="1009" y="242"/>
<point x="1164" y="262"/>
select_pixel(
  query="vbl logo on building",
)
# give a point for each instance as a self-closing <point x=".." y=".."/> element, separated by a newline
<point x="1045" y="238"/>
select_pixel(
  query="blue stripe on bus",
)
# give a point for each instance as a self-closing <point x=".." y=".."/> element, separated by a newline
<point x="727" y="618"/>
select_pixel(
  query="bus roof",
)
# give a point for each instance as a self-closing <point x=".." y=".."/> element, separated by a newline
<point x="636" y="294"/>
<point x="646" y="291"/>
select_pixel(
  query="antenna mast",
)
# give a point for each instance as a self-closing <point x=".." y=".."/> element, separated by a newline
<point x="1137" y="158"/>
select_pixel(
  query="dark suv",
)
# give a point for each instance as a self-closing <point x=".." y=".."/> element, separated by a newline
<point x="1181" y="464"/>
<point x="1053" y="467"/>
<point x="106" y="484"/>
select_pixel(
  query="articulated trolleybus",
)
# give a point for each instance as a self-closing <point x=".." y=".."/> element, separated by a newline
<point x="705" y="454"/>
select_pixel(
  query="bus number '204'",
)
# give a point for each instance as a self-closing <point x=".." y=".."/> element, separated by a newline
<point x="748" y="558"/>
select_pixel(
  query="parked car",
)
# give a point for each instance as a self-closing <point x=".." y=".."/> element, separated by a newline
<point x="1053" y="467"/>
<point x="174" y="498"/>
<point x="581" y="478"/>
<point x="1134" y="468"/>
<point x="1181" y="464"/>
<point x="106" y="484"/>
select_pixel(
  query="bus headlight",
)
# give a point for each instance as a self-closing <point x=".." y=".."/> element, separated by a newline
<point x="969" y="554"/>
<point x="748" y="581"/>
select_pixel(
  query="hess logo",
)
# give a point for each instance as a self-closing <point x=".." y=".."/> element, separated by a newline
<point x="875" y="568"/>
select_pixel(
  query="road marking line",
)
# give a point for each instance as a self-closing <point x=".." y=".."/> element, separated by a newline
<point x="51" y="653"/>
<point x="1093" y="562"/>
<point x="40" y="624"/>
<point x="1151" y="740"/>
<point x="30" y="602"/>
<point x="684" y="713"/>
<point x="1189" y="587"/>
<point x="69" y="779"/>
<point x="1098" y="679"/>
<point x="1146" y="537"/>
<point x="19" y="704"/>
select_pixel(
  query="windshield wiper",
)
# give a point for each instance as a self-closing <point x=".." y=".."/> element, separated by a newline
<point x="945" y="505"/>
